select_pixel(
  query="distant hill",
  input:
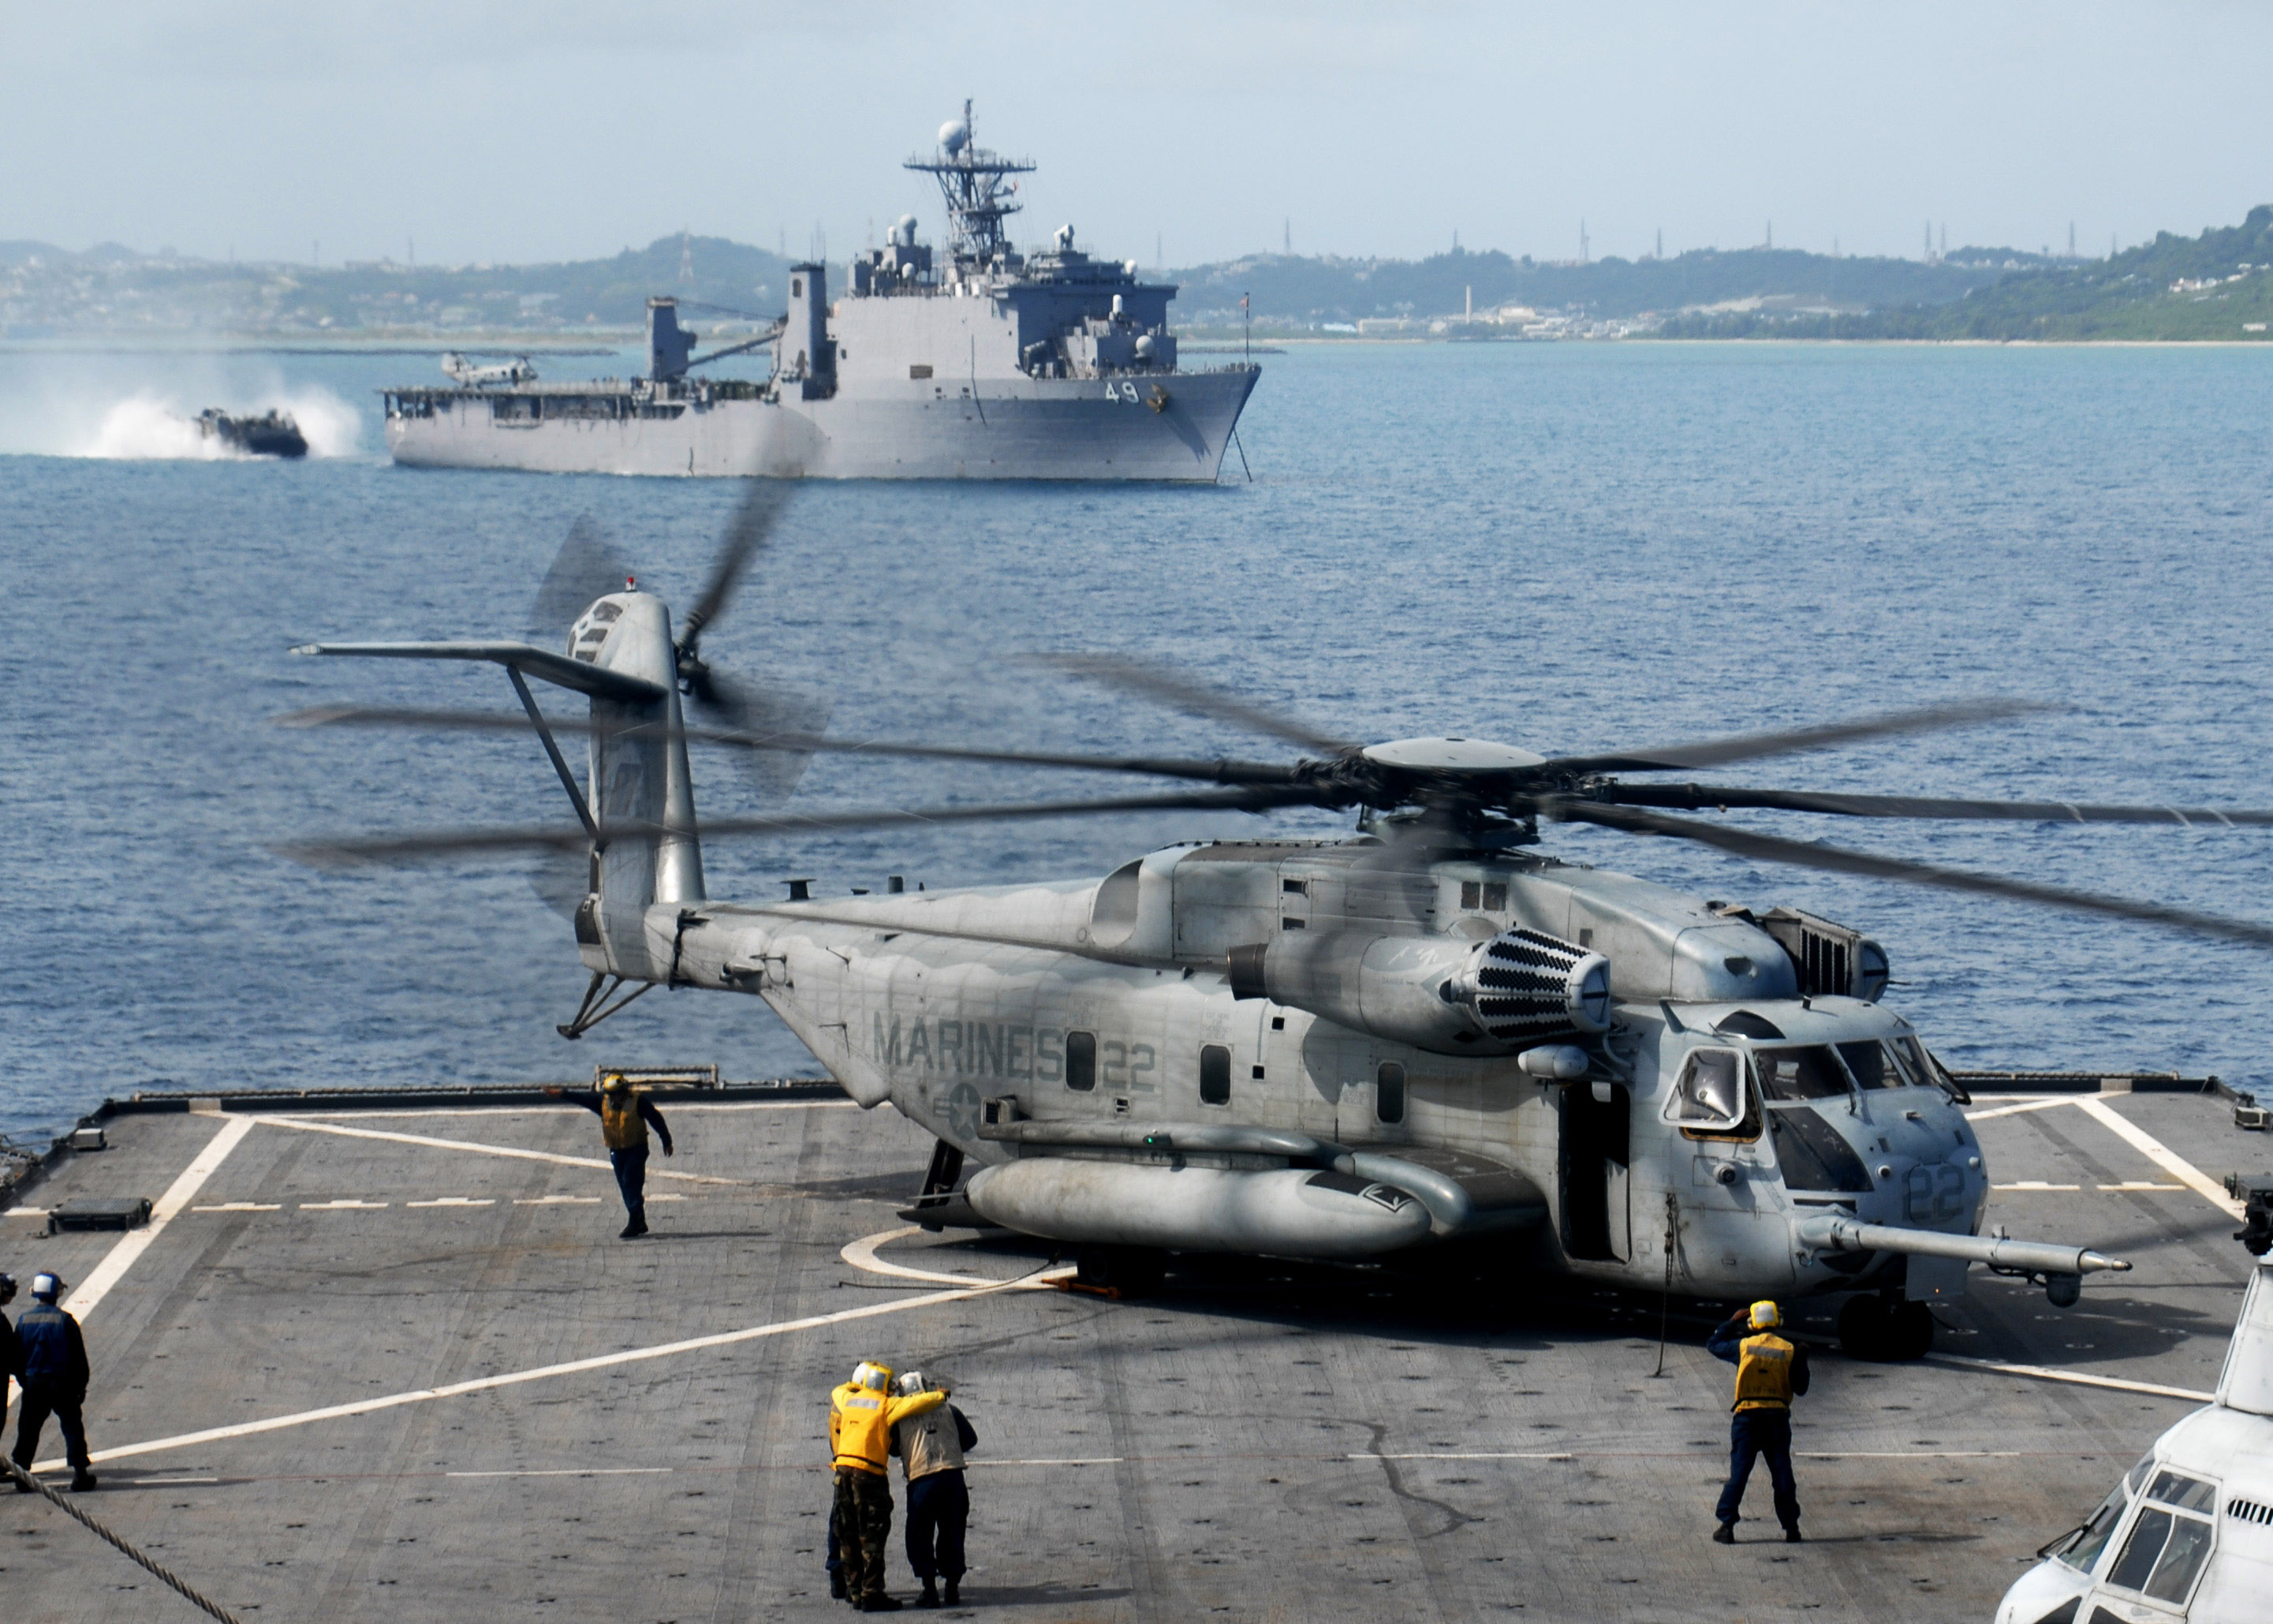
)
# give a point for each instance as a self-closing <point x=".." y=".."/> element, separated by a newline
<point x="2219" y="285"/>
<point x="1305" y="292"/>
<point x="110" y="289"/>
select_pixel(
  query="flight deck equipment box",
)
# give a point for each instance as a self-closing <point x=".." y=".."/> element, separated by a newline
<point x="110" y="1212"/>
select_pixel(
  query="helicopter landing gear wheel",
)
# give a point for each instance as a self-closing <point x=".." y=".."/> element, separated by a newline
<point x="1884" y="1330"/>
<point x="1132" y="1271"/>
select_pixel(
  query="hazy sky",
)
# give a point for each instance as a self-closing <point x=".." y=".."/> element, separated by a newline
<point x="573" y="128"/>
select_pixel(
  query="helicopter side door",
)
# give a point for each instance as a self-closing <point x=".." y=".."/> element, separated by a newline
<point x="1594" y="1171"/>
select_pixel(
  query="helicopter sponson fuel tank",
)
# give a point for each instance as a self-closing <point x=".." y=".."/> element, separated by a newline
<point x="1223" y="1187"/>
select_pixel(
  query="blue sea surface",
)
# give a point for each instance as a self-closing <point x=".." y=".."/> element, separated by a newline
<point x="1568" y="547"/>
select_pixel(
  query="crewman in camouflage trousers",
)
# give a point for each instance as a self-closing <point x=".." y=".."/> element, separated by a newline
<point x="861" y="1416"/>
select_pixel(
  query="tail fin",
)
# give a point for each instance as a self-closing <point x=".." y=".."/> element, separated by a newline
<point x="639" y="777"/>
<point x="622" y="658"/>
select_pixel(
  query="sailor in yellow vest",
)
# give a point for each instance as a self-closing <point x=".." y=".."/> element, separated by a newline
<point x="625" y="1113"/>
<point x="1770" y="1371"/>
<point x="861" y="1416"/>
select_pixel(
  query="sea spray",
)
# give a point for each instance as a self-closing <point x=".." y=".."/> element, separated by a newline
<point x="146" y="426"/>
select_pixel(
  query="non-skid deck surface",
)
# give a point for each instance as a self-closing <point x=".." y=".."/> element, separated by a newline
<point x="397" y="1366"/>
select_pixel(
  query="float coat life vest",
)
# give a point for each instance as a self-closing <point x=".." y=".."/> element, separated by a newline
<point x="1763" y="1374"/>
<point x="931" y="1443"/>
<point x="53" y="1351"/>
<point x="620" y="1122"/>
<point x="860" y="1423"/>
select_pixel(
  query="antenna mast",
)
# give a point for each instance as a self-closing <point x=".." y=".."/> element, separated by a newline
<point x="973" y="182"/>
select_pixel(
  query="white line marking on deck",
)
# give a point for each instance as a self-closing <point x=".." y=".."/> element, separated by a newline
<point x="1090" y="1459"/>
<point x="543" y="1373"/>
<point x="134" y="1242"/>
<point x="2137" y="1184"/>
<point x="861" y="1254"/>
<point x="2029" y="1105"/>
<point x="574" y="1471"/>
<point x="241" y="1207"/>
<point x="307" y="1127"/>
<point x="456" y="1201"/>
<point x="345" y="1204"/>
<point x="1465" y="1454"/>
<point x="2082" y="1378"/>
<point x="558" y="1200"/>
<point x="2038" y="1184"/>
<point x="1910" y="1454"/>
<point x="2161" y="1154"/>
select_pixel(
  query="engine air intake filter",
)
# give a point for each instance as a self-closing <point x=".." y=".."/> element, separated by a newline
<point x="1526" y="986"/>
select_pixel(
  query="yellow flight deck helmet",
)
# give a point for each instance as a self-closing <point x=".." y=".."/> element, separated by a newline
<point x="612" y="1081"/>
<point x="1767" y="1316"/>
<point x="875" y="1377"/>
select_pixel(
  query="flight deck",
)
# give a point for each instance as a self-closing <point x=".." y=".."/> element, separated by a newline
<point x="390" y="1362"/>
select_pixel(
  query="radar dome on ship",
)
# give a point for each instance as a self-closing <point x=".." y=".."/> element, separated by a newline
<point x="903" y="232"/>
<point x="954" y="135"/>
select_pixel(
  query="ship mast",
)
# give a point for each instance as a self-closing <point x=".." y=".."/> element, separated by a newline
<point x="972" y="180"/>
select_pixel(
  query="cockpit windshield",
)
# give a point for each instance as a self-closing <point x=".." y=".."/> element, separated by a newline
<point x="2085" y="1544"/>
<point x="1809" y="1072"/>
<point x="2170" y="1539"/>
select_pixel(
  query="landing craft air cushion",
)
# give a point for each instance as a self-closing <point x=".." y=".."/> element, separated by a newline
<point x="1429" y="1033"/>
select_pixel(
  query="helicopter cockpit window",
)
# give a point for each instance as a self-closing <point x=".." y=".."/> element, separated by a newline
<point x="2166" y="1550"/>
<point x="1809" y="1073"/>
<point x="1870" y="1066"/>
<point x="2086" y="1544"/>
<point x="1711" y="1091"/>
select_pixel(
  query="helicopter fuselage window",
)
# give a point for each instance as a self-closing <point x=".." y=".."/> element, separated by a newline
<point x="1081" y="1061"/>
<point x="1812" y="1072"/>
<point x="1711" y="1092"/>
<point x="1215" y="1074"/>
<point x="1388" y="1092"/>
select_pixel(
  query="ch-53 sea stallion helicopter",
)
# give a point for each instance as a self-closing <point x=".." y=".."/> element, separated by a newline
<point x="1429" y="1033"/>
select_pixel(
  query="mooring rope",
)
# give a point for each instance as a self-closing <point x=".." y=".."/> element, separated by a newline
<point x="25" y="1479"/>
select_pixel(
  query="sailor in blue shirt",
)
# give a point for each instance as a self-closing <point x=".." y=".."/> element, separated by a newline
<point x="55" y="1375"/>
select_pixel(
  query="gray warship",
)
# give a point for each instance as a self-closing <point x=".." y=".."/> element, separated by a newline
<point x="989" y="363"/>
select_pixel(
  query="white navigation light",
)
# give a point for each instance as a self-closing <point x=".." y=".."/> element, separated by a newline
<point x="954" y="135"/>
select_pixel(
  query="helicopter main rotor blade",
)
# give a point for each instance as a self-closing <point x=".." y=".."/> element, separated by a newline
<point x="1751" y="747"/>
<point x="1841" y="860"/>
<point x="1220" y="771"/>
<point x="383" y="848"/>
<point x="746" y="532"/>
<point x="1158" y="682"/>
<point x="1701" y="797"/>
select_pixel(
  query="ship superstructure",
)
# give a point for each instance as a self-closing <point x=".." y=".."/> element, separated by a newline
<point x="980" y="362"/>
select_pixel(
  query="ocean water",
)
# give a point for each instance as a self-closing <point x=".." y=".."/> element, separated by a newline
<point x="1567" y="547"/>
